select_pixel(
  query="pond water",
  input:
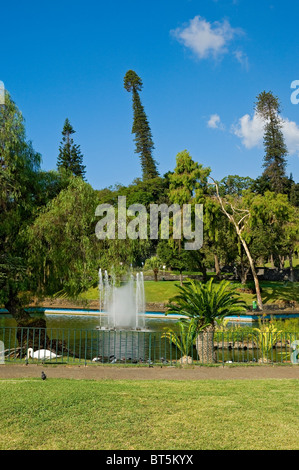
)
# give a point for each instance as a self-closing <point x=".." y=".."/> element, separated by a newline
<point x="92" y="322"/>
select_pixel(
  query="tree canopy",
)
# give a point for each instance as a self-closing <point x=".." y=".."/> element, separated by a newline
<point x="70" y="157"/>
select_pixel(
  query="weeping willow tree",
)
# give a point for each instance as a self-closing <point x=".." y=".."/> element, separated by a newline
<point x="19" y="195"/>
<point x="65" y="251"/>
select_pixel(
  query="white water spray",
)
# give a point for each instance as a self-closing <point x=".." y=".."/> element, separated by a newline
<point x="124" y="305"/>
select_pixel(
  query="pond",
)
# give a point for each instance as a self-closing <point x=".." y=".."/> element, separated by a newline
<point x="154" y="321"/>
<point x="83" y="340"/>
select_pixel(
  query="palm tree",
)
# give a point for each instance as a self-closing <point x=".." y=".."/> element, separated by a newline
<point x="153" y="263"/>
<point x="184" y="339"/>
<point x="205" y="303"/>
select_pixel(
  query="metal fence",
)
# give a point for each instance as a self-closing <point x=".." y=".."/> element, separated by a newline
<point x="78" y="346"/>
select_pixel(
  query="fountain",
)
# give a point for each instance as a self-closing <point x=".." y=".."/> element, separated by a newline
<point x="124" y="306"/>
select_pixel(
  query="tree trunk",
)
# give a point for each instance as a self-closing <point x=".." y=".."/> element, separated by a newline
<point x="181" y="278"/>
<point x="16" y="309"/>
<point x="281" y="262"/>
<point x="243" y="270"/>
<point x="248" y="254"/>
<point x="255" y="278"/>
<point x="217" y="267"/>
<point x="205" y="345"/>
<point x="156" y="274"/>
<point x="243" y="274"/>
<point x="204" y="272"/>
<point x="272" y="261"/>
<point x="291" y="267"/>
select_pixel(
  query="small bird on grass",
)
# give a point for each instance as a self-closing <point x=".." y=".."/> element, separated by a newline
<point x="43" y="376"/>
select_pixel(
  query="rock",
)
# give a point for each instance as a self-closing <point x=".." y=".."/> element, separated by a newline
<point x="185" y="360"/>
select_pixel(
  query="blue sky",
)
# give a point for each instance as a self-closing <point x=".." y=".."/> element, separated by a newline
<point x="202" y="62"/>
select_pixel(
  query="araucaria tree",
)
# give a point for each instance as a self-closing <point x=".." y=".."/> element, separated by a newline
<point x="70" y="157"/>
<point x="268" y="108"/>
<point x="141" y="129"/>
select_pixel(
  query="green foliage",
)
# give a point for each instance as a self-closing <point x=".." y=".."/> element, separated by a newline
<point x="154" y="190"/>
<point x="234" y="185"/>
<point x="64" y="249"/>
<point x="273" y="225"/>
<point x="141" y="129"/>
<point x="268" y="108"/>
<point x="177" y="258"/>
<point x="184" y="339"/>
<point x="188" y="182"/>
<point x="266" y="337"/>
<point x="19" y="195"/>
<point x="155" y="264"/>
<point x="206" y="302"/>
<point x="70" y="157"/>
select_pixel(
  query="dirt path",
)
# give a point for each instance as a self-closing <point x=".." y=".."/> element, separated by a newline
<point x="99" y="372"/>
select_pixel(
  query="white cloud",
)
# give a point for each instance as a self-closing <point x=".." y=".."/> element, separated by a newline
<point x="251" y="132"/>
<point x="242" y="58"/>
<point x="215" y="122"/>
<point x="206" y="39"/>
<point x="291" y="135"/>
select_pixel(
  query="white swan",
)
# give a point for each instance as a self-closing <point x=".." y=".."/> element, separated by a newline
<point x="41" y="354"/>
<point x="97" y="359"/>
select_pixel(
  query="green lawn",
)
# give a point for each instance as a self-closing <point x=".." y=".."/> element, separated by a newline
<point x="162" y="291"/>
<point x="154" y="415"/>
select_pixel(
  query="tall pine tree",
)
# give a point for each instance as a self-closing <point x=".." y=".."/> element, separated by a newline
<point x="268" y="107"/>
<point x="141" y="129"/>
<point x="70" y="157"/>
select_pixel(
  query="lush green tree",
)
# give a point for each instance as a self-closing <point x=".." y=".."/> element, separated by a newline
<point x="234" y="185"/>
<point x="187" y="185"/>
<point x="205" y="303"/>
<point x="261" y="184"/>
<point x="239" y="215"/>
<point x="49" y="185"/>
<point x="64" y="250"/>
<point x="19" y="193"/>
<point x="141" y="129"/>
<point x="179" y="259"/>
<point x="188" y="182"/>
<point x="219" y="236"/>
<point x="268" y="107"/>
<point x="155" y="264"/>
<point x="263" y="230"/>
<point x="70" y="157"/>
<point x="293" y="191"/>
<point x="152" y="191"/>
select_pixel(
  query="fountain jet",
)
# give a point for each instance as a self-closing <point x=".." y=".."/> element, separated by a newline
<point x="125" y="305"/>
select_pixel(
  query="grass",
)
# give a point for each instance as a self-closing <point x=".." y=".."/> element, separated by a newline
<point x="148" y="415"/>
<point x="162" y="291"/>
<point x="286" y="263"/>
